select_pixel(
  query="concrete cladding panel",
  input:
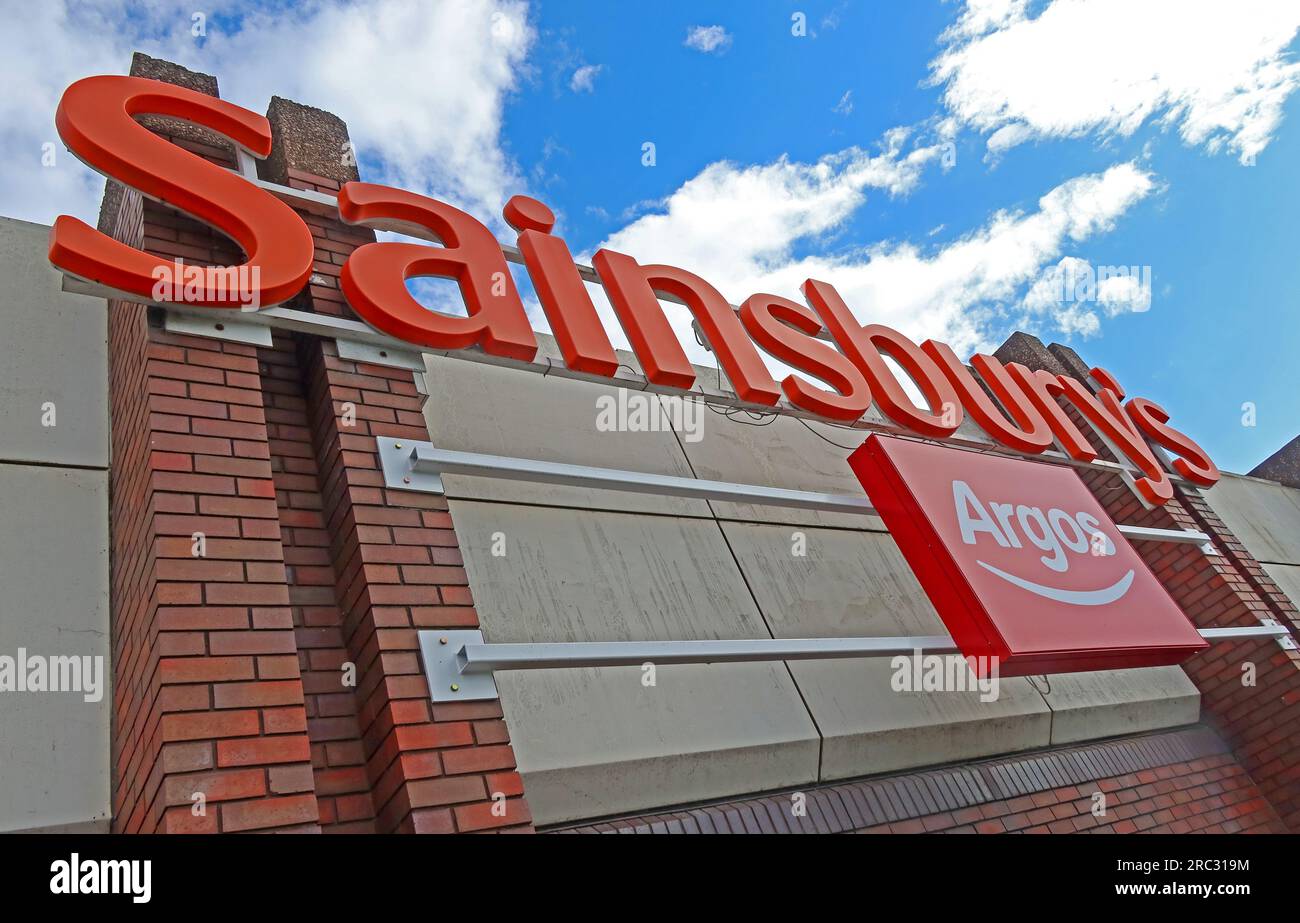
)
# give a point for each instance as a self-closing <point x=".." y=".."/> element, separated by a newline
<point x="596" y="742"/>
<point x="839" y="583"/>
<point x="778" y="452"/>
<point x="477" y="407"/>
<point x="1263" y="514"/>
<point x="1287" y="577"/>
<point x="54" y="746"/>
<point x="856" y="584"/>
<point x="592" y="742"/>
<point x="1108" y="703"/>
<point x="53" y="361"/>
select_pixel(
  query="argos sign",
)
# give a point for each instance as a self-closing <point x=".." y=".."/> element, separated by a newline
<point x="1021" y="561"/>
<point x="838" y="380"/>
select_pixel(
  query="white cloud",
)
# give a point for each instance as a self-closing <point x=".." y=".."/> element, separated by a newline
<point x="45" y="53"/>
<point x="738" y="227"/>
<point x="1073" y="292"/>
<point x="845" y="105"/>
<point x="584" y="78"/>
<point x="708" y="39"/>
<point x="1218" y="72"/>
<point x="1124" y="294"/>
<point x="422" y="86"/>
<point x="761" y="210"/>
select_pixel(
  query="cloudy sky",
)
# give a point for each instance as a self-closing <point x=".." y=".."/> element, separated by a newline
<point x="1114" y="175"/>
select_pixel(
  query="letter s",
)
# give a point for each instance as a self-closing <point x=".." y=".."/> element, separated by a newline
<point x="1195" y="463"/>
<point x="374" y="276"/>
<point x="94" y="119"/>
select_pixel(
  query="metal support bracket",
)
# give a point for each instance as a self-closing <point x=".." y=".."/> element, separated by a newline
<point x="397" y="458"/>
<point x="224" y="326"/>
<point x="1284" y="637"/>
<point x="442" y="653"/>
<point x="380" y="355"/>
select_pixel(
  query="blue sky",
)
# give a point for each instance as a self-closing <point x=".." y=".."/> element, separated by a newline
<point x="939" y="162"/>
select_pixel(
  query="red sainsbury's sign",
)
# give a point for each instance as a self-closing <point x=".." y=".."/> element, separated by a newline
<point x="1019" y="408"/>
<point x="1020" y="560"/>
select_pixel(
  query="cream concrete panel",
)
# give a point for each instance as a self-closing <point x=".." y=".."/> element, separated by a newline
<point x="475" y="407"/>
<point x="857" y="584"/>
<point x="1108" y="703"/>
<point x="779" y="452"/>
<point x="592" y="742"/>
<point x="1263" y="514"/>
<point x="54" y="746"/>
<point x="54" y="350"/>
<point x="1287" y="577"/>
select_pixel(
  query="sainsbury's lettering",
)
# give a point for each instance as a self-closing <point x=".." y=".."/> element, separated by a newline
<point x="1019" y="408"/>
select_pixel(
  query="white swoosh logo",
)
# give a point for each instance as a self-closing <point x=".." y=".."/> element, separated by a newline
<point x="1099" y="597"/>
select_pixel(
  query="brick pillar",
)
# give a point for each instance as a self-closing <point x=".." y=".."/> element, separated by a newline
<point x="394" y="555"/>
<point x="207" y="694"/>
<point x="1223" y="590"/>
<point x="232" y="667"/>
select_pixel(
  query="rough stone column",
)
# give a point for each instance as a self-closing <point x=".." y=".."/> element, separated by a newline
<point x="1222" y="590"/>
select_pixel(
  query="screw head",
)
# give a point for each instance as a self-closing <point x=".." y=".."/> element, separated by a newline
<point x="442" y="640"/>
<point x="406" y="480"/>
<point x="455" y="687"/>
<point x="397" y="445"/>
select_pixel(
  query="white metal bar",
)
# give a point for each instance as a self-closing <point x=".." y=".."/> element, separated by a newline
<point x="337" y="328"/>
<point x="1270" y="629"/>
<point x="485" y="658"/>
<point x="425" y="459"/>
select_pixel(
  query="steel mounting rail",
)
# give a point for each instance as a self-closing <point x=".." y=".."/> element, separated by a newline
<point x="418" y="466"/>
<point x="459" y="664"/>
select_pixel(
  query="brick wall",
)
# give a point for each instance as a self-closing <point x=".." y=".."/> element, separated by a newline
<point x="234" y="667"/>
<point x="1215" y="591"/>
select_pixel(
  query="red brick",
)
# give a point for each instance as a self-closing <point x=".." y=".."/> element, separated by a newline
<point x="242" y="695"/>
<point x="215" y="786"/>
<point x="481" y="816"/>
<point x="205" y="669"/>
<point x="268" y="812"/>
<point x="204" y="725"/>
<point x="477" y="759"/>
<point x="289" y="748"/>
<point x="425" y="793"/>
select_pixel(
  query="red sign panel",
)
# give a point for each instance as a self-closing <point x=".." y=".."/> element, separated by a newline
<point x="1021" y="561"/>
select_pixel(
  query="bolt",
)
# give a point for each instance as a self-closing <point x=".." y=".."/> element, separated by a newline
<point x="406" y="480"/>
<point x="455" y="687"/>
<point x="397" y="445"/>
<point x="442" y="640"/>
